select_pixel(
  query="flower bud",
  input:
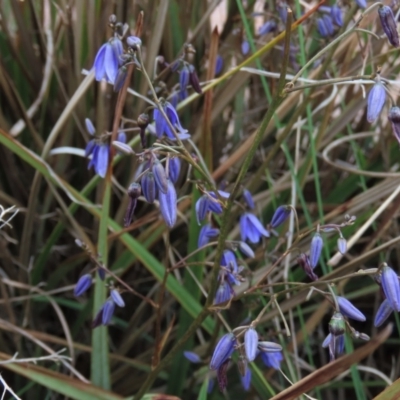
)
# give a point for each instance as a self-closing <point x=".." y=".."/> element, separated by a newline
<point x="280" y="216"/>
<point x="168" y="206"/>
<point x="348" y="310"/>
<point x="246" y="379"/>
<point x="83" y="284"/>
<point x="389" y="25"/>
<point x="160" y="176"/>
<point x="149" y="187"/>
<point x="117" y="298"/>
<point x="315" y="249"/>
<point x="383" y="313"/>
<point x="250" y="344"/>
<point x="336" y="15"/>
<point x="248" y="198"/>
<point x="223" y="350"/>
<point x="375" y="102"/>
<point x="342" y="245"/>
<point x="174" y="168"/>
<point x="108" y="311"/>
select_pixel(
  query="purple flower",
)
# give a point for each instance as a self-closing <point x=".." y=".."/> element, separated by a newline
<point x="335" y="344"/>
<point x="224" y="293"/>
<point x="174" y="168"/>
<point x="375" y="102"/>
<point x="106" y="62"/>
<point x="168" y="205"/>
<point x="192" y="357"/>
<point x="267" y="27"/>
<point x="83" y="284"/>
<point x="251" y="228"/>
<point x="183" y="81"/>
<point x="209" y="202"/>
<point x="272" y="360"/>
<point x="149" y="187"/>
<point x="160" y="176"/>
<point x="322" y="28"/>
<point x="315" y="249"/>
<point x="250" y="344"/>
<point x="336" y="15"/>
<point x="389" y="25"/>
<point x="391" y="287"/>
<point x="383" y="313"/>
<point x="245" y="47"/>
<point x="224" y="349"/>
<point x="348" y="310"/>
<point x="108" y="311"/>
<point x="248" y="198"/>
<point x="329" y="24"/>
<point x="219" y="64"/>
<point x="162" y="127"/>
<point x="280" y="216"/>
<point x="246" y="379"/>
<point x="394" y="118"/>
<point x="117" y="298"/>
<point x="361" y="3"/>
<point x="207" y="232"/>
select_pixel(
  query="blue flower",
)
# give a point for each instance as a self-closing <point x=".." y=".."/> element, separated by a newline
<point x="383" y="313"/>
<point x="280" y="216"/>
<point x="315" y="249"/>
<point x="168" y="205"/>
<point x="272" y="360"/>
<point x="391" y="287"/>
<point x="224" y="349"/>
<point x="246" y="379"/>
<point x="83" y="284"/>
<point x="224" y="293"/>
<point x="207" y="232"/>
<point x="335" y="344"/>
<point x="106" y="63"/>
<point x="250" y="344"/>
<point x="348" y="310"/>
<point x="251" y="228"/>
<point x="248" y="198"/>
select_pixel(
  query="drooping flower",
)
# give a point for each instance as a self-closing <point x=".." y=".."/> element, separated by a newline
<point x="174" y="168"/>
<point x="106" y="63"/>
<point x="328" y="24"/>
<point x="224" y="349"/>
<point x="251" y="228"/>
<point x="149" y="187"/>
<point x="207" y="232"/>
<point x="389" y="25"/>
<point x="376" y="101"/>
<point x="224" y="293"/>
<point x="248" y="199"/>
<point x="117" y="298"/>
<point x="336" y="15"/>
<point x="272" y="359"/>
<point x="160" y="176"/>
<point x="383" y="313"/>
<point x="280" y="216"/>
<point x="335" y="344"/>
<point x="162" y="127"/>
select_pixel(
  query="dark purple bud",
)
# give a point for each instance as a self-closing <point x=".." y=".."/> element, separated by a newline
<point x="337" y="324"/>
<point x="192" y="357"/>
<point x="108" y="311"/>
<point x="394" y="118"/>
<point x="83" y="284"/>
<point x="149" y="187"/>
<point x="250" y="344"/>
<point x="168" y="205"/>
<point x="342" y="245"/>
<point x="304" y="262"/>
<point x="246" y="380"/>
<point x="223" y="350"/>
<point x="194" y="79"/>
<point x="269" y="347"/>
<point x="134" y="191"/>
<point x="375" y="102"/>
<point x="336" y="15"/>
<point x="389" y="25"/>
<point x="222" y="377"/>
<point x="383" y="313"/>
<point x="174" y="168"/>
<point x="348" y="310"/>
<point x="280" y="216"/>
<point x="246" y="250"/>
<point x="117" y="298"/>
<point x="391" y="287"/>
<point x="160" y="176"/>
<point x="268" y="27"/>
<point x="248" y="198"/>
<point x="315" y="249"/>
<point x="102" y="273"/>
<point x="133" y="42"/>
<point x="251" y="228"/>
